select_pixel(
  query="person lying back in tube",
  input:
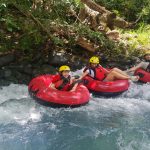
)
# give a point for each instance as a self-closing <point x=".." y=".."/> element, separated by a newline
<point x="145" y="65"/>
<point x="97" y="72"/>
<point x="63" y="81"/>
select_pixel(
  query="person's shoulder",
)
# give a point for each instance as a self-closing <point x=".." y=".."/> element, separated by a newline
<point x="100" y="66"/>
<point x="143" y="62"/>
<point x="85" y="68"/>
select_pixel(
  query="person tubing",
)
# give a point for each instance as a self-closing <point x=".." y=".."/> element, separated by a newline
<point x="97" y="73"/>
<point x="63" y="83"/>
<point x="148" y="67"/>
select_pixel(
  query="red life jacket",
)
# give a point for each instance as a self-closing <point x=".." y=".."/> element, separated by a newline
<point x="62" y="84"/>
<point x="97" y="73"/>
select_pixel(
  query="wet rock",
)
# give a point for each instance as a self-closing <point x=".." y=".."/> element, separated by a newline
<point x="1" y="73"/>
<point x="61" y="58"/>
<point x="6" y="59"/>
<point x="44" y="69"/>
<point x="76" y="63"/>
<point x="47" y="69"/>
<point x="26" y="69"/>
<point x="7" y="73"/>
<point x="20" y="78"/>
<point x="13" y="75"/>
<point x="22" y="68"/>
<point x="58" y="58"/>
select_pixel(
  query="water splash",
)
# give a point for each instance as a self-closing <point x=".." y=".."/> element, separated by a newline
<point x="113" y="123"/>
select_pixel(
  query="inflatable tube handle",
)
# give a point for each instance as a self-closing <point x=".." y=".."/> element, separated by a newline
<point x="85" y="82"/>
<point x="141" y="75"/>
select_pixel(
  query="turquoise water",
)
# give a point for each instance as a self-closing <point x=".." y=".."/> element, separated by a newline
<point x="121" y="123"/>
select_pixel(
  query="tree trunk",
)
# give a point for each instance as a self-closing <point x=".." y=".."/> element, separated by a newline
<point x="88" y="45"/>
<point x="95" y="6"/>
<point x="110" y="18"/>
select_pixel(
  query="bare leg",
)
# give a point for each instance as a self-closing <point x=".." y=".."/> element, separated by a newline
<point x="116" y="75"/>
<point x="120" y="71"/>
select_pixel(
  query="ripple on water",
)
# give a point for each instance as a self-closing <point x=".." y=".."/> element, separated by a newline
<point x="113" y="123"/>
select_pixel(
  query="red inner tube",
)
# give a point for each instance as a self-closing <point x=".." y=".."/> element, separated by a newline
<point x="144" y="75"/>
<point x="106" y="87"/>
<point x="39" y="88"/>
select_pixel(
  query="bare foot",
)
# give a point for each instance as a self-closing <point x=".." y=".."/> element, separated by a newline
<point x="135" y="78"/>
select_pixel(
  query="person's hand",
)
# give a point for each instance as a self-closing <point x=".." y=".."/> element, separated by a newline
<point x="80" y="78"/>
<point x="52" y="87"/>
<point x="72" y="90"/>
<point x="75" y="80"/>
<point x="76" y="77"/>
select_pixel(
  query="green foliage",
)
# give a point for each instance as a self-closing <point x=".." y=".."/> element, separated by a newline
<point x="3" y="7"/>
<point x="87" y="32"/>
<point x="140" y="37"/>
<point x="11" y="24"/>
<point x="21" y="32"/>
<point x="130" y="9"/>
<point x="57" y="41"/>
<point x="109" y="49"/>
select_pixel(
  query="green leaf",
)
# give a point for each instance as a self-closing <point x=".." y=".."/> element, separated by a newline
<point x="9" y="29"/>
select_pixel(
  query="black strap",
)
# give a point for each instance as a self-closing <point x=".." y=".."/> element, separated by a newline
<point x="141" y="75"/>
<point x="92" y="69"/>
<point x="65" y="82"/>
<point x="75" y="82"/>
<point x="76" y="76"/>
<point x="90" y="72"/>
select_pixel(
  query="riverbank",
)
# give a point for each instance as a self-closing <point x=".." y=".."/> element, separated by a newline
<point x="22" y="72"/>
<point x="36" y="40"/>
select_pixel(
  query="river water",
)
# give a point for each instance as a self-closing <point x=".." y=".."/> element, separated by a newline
<point x="120" y="123"/>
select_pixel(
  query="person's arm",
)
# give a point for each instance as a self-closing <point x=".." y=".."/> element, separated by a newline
<point x="135" y="68"/>
<point x="75" y="82"/>
<point x="84" y="74"/>
<point x="52" y="86"/>
<point x="74" y="87"/>
<point x="55" y="79"/>
<point x="106" y="71"/>
<point x="72" y="80"/>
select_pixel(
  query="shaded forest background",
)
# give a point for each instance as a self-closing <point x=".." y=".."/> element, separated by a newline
<point x="37" y="30"/>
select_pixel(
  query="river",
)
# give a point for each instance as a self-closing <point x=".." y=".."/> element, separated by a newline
<point x="120" y="123"/>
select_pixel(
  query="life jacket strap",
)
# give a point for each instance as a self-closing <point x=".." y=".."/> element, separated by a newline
<point x="65" y="81"/>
